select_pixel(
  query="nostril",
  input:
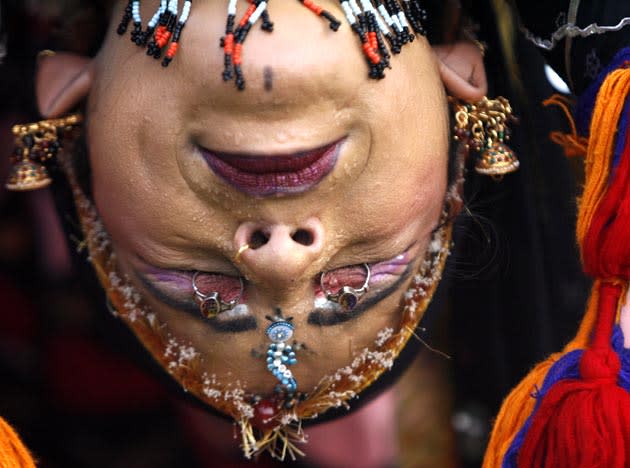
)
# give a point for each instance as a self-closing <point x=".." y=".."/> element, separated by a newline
<point x="258" y="239"/>
<point x="303" y="237"/>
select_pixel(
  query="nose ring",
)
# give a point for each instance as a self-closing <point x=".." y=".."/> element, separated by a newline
<point x="211" y="305"/>
<point x="347" y="297"/>
<point x="242" y="248"/>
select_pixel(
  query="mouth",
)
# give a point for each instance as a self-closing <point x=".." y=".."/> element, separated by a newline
<point x="263" y="176"/>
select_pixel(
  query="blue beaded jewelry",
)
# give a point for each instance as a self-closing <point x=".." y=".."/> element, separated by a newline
<point x="280" y="354"/>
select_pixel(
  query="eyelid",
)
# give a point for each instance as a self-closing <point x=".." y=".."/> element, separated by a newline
<point x="371" y="259"/>
<point x="327" y="317"/>
<point x="394" y="266"/>
<point x="189" y="306"/>
<point x="174" y="287"/>
<point x="235" y="287"/>
<point x="219" y="265"/>
<point x="383" y="276"/>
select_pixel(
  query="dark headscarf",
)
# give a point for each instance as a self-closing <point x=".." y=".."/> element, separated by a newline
<point x="578" y="59"/>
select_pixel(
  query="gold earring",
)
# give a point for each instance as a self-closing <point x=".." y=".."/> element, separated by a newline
<point x="35" y="145"/>
<point x="483" y="128"/>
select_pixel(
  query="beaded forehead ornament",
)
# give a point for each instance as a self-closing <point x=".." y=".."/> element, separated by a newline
<point x="375" y="22"/>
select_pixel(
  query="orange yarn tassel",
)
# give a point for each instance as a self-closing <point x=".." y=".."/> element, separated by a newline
<point x="608" y="108"/>
<point x="584" y="423"/>
<point x="519" y="404"/>
<point x="560" y="414"/>
<point x="13" y="453"/>
<point x="572" y="143"/>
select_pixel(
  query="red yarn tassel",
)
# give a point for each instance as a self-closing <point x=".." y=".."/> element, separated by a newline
<point x="606" y="249"/>
<point x="585" y="423"/>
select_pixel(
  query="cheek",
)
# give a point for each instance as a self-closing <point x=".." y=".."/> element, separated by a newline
<point x="404" y="208"/>
<point x="124" y="194"/>
<point x="404" y="184"/>
<point x="138" y="185"/>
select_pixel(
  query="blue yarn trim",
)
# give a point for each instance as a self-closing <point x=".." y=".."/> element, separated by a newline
<point x="567" y="367"/>
<point x="620" y="145"/>
<point x="624" y="356"/>
<point x="586" y="102"/>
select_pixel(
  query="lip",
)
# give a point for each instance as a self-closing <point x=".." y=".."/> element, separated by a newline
<point x="263" y="176"/>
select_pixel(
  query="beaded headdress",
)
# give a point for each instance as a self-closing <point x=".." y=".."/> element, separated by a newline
<point x="383" y="27"/>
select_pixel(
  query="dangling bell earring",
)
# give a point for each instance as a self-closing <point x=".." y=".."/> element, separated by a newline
<point x="211" y="305"/>
<point x="36" y="144"/>
<point x="483" y="128"/>
<point x="347" y="297"/>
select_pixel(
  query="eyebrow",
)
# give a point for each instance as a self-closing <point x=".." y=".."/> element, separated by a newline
<point x="220" y="325"/>
<point x="268" y="77"/>
<point x="329" y="318"/>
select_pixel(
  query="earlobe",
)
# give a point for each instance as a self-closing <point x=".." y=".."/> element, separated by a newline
<point x="62" y="81"/>
<point x="462" y="70"/>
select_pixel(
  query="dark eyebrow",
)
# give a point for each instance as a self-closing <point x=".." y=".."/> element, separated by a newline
<point x="221" y="325"/>
<point x="268" y="76"/>
<point x="329" y="318"/>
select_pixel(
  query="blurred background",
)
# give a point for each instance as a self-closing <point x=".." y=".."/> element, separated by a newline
<point x="82" y="392"/>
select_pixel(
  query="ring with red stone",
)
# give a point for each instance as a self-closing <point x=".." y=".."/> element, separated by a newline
<point x="347" y="297"/>
<point x="211" y="305"/>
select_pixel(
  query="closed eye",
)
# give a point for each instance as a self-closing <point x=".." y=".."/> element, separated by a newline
<point x="386" y="277"/>
<point x="174" y="288"/>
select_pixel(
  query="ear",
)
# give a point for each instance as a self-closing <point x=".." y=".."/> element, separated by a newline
<point x="62" y="81"/>
<point x="462" y="70"/>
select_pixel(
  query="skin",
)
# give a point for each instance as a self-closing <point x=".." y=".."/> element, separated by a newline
<point x="167" y="211"/>
<point x="169" y="214"/>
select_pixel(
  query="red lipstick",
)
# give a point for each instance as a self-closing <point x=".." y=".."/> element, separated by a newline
<point x="263" y="176"/>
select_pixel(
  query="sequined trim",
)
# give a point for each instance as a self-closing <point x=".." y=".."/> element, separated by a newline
<point x="572" y="30"/>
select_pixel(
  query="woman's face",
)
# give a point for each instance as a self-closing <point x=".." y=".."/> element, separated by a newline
<point x="315" y="166"/>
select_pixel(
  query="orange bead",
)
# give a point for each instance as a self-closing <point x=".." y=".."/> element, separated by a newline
<point x="250" y="10"/>
<point x="369" y="52"/>
<point x="373" y="40"/>
<point x="237" y="54"/>
<point x="228" y="45"/>
<point x="313" y="7"/>
<point x="172" y="50"/>
<point x="163" y="40"/>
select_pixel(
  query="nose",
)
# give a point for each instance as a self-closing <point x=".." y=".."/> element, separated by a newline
<point x="279" y="254"/>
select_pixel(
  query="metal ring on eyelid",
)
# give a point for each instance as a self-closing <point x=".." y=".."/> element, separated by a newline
<point x="347" y="297"/>
<point x="211" y="305"/>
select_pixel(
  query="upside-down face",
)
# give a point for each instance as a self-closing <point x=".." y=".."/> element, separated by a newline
<point x="314" y="166"/>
